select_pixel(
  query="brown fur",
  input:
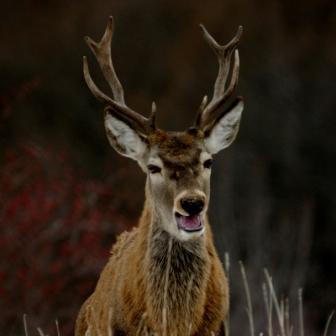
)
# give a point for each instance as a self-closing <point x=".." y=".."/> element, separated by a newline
<point x="154" y="283"/>
<point x="131" y="287"/>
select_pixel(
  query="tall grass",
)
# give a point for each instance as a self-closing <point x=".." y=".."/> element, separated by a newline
<point x="278" y="319"/>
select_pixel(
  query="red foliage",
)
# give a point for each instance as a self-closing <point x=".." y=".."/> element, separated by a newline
<point x="8" y="99"/>
<point x="56" y="229"/>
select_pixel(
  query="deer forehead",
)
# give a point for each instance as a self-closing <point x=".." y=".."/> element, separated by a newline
<point x="174" y="150"/>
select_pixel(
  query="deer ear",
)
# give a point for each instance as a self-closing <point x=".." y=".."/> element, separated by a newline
<point x="124" y="139"/>
<point x="224" y="130"/>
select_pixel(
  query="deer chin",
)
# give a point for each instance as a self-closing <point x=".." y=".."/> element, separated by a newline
<point x="189" y="224"/>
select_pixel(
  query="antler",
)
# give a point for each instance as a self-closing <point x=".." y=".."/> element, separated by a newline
<point x="117" y="105"/>
<point x="209" y="112"/>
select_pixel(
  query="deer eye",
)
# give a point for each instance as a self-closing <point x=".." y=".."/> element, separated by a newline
<point x="154" y="169"/>
<point x="207" y="163"/>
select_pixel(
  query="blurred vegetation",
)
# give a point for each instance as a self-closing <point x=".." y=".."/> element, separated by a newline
<point x="273" y="200"/>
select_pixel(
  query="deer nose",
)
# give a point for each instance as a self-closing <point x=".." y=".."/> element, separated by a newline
<point x="192" y="206"/>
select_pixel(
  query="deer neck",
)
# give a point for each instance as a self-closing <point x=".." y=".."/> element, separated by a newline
<point x="177" y="273"/>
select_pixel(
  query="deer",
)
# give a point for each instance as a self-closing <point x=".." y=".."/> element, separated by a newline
<point x="164" y="277"/>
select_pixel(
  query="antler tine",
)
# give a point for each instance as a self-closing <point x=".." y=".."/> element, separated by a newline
<point x="207" y="113"/>
<point x="200" y="111"/>
<point x="139" y="122"/>
<point x="102" y="51"/>
<point x="152" y="117"/>
<point x="117" y="106"/>
<point x="92" y="86"/>
<point x="224" y="56"/>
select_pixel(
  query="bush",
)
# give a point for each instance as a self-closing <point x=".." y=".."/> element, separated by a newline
<point x="55" y="234"/>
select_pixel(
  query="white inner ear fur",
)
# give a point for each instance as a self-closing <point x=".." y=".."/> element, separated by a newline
<point x="225" y="130"/>
<point x="124" y="139"/>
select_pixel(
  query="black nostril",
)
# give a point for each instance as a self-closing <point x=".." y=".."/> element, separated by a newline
<point x="192" y="206"/>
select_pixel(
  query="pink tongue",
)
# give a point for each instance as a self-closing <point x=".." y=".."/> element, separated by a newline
<point x="189" y="223"/>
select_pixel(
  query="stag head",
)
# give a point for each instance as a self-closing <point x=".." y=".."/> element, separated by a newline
<point x="177" y="164"/>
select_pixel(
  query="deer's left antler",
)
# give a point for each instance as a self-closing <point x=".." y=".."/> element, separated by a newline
<point x="208" y="113"/>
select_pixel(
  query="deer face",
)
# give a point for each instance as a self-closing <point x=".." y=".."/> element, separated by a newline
<point x="178" y="165"/>
<point x="178" y="182"/>
<point x="178" y="168"/>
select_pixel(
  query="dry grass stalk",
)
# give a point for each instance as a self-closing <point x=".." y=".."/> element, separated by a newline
<point x="288" y="327"/>
<point x="226" y="321"/>
<point x="57" y="328"/>
<point x="269" y="309"/>
<point x="328" y="323"/>
<point x="110" y="332"/>
<point x="301" y="326"/>
<point x="141" y="325"/>
<point x="96" y="328"/>
<point x="248" y="298"/>
<point x="25" y="324"/>
<point x="88" y="332"/>
<point x="282" y="309"/>
<point x="39" y="330"/>
<point x="278" y="309"/>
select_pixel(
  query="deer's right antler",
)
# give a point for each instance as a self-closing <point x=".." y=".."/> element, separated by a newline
<point x="116" y="106"/>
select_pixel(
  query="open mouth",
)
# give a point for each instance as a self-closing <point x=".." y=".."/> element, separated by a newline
<point x="190" y="223"/>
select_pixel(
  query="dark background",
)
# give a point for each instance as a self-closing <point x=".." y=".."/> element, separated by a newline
<point x="65" y="194"/>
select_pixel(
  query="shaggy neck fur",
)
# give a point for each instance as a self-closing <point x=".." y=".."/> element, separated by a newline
<point x="177" y="278"/>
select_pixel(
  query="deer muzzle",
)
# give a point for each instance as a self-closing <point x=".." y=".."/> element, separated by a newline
<point x="189" y="210"/>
